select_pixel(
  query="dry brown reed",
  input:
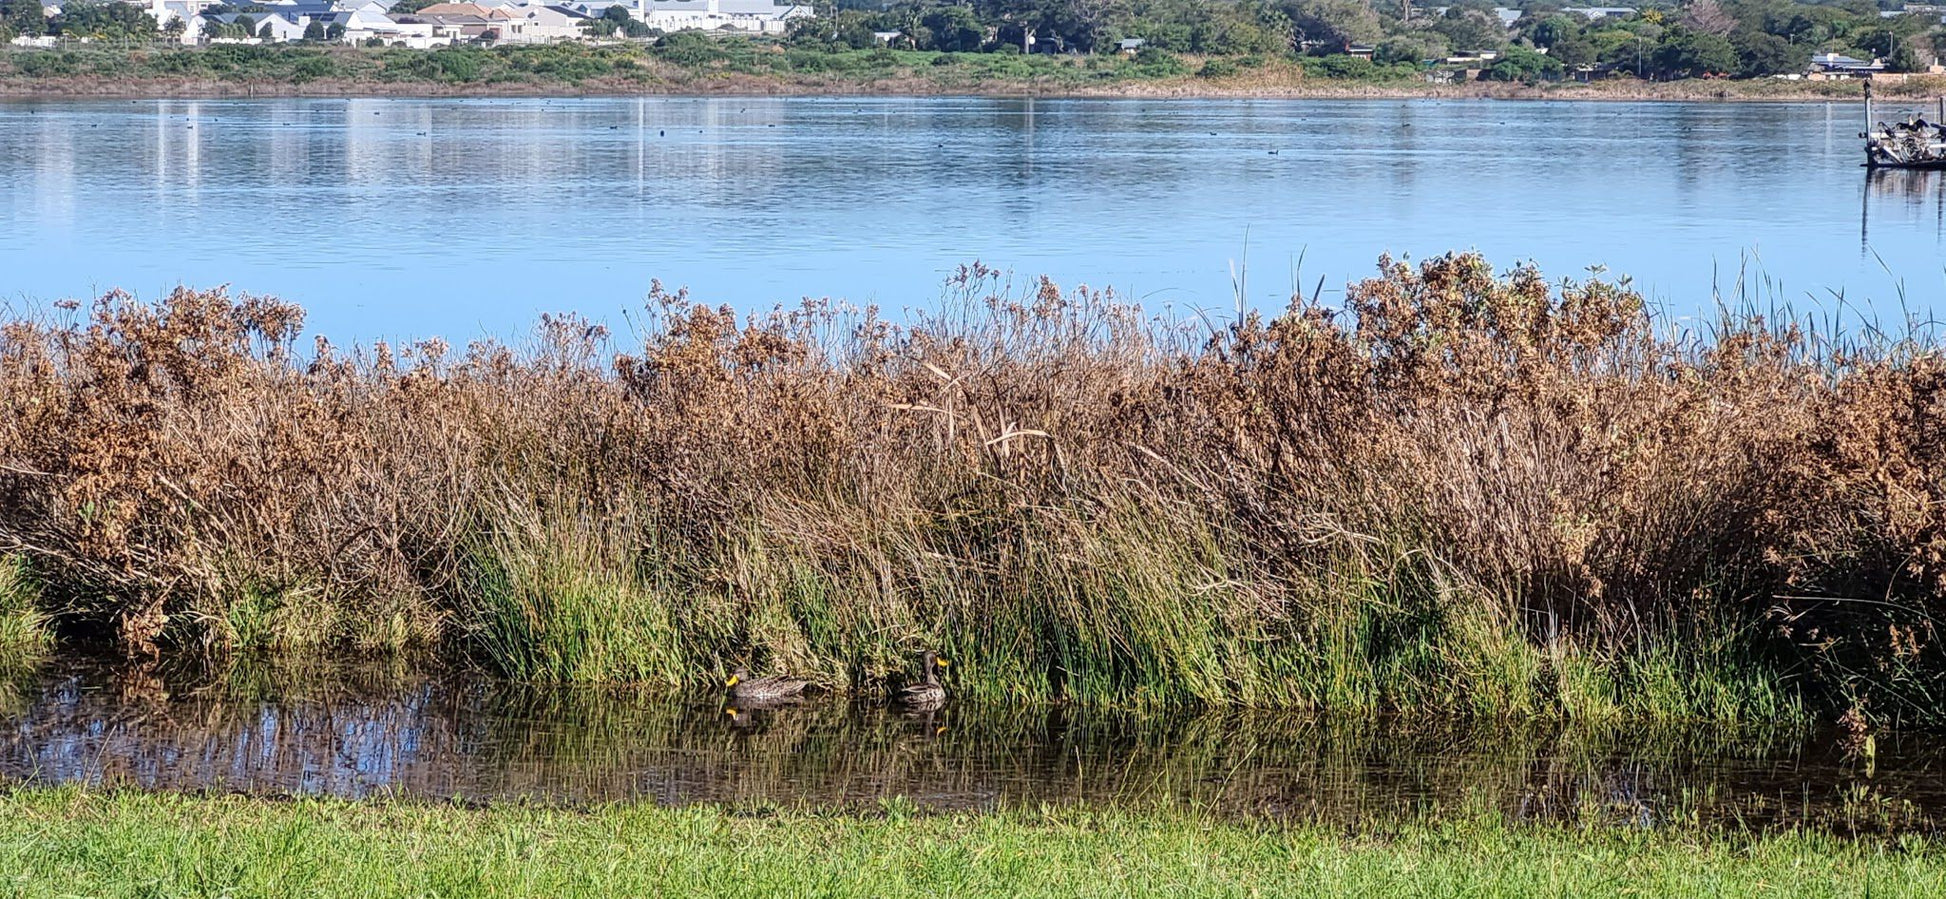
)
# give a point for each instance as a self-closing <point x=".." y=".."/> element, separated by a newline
<point x="1460" y="490"/>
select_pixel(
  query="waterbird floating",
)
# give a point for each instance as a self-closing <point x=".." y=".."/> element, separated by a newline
<point x="928" y="694"/>
<point x="776" y="688"/>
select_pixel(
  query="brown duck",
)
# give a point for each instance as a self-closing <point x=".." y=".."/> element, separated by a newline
<point x="776" y="688"/>
<point x="927" y="694"/>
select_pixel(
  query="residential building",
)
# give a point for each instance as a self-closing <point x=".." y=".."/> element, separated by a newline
<point x="1600" y="12"/>
<point x="369" y="22"/>
<point x="755" y="16"/>
<point x="1840" y="66"/>
<point x="550" y="24"/>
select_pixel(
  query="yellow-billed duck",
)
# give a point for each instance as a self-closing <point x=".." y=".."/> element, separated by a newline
<point x="929" y="693"/>
<point x="776" y="688"/>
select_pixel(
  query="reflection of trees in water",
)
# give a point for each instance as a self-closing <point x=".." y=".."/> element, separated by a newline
<point x="357" y="732"/>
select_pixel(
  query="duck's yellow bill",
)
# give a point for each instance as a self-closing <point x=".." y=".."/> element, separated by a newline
<point x="731" y="682"/>
<point x="941" y="662"/>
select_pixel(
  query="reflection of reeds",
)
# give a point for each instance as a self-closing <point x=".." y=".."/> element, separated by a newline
<point x="24" y="634"/>
<point x="1462" y="491"/>
<point x="360" y="732"/>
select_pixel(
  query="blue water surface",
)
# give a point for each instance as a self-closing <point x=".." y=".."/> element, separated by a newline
<point x="404" y="218"/>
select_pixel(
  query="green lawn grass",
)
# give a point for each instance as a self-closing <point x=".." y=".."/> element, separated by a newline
<point x="70" y="842"/>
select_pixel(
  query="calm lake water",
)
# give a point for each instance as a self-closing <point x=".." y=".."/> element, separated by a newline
<point x="359" y="732"/>
<point x="404" y="217"/>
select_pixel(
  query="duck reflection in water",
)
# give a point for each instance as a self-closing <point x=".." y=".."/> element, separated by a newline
<point x="745" y="718"/>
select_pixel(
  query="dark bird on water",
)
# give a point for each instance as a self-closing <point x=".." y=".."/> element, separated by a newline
<point x="927" y="694"/>
<point x="775" y="688"/>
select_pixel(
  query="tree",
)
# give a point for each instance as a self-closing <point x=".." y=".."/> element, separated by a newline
<point x="1708" y="17"/>
<point x="1524" y="64"/>
<point x="1574" y="51"/>
<point x="1412" y="47"/>
<point x="1903" y="58"/>
<point x="1331" y="25"/>
<point x="1684" y="53"/>
<point x="23" y="17"/>
<point x="1760" y="54"/>
<point x="112" y="21"/>
<point x="1470" y="30"/>
<point x="954" y="29"/>
<point x="314" y="31"/>
<point x="1553" y="30"/>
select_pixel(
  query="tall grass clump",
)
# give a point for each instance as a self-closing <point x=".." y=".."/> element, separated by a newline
<point x="24" y="635"/>
<point x="1457" y="490"/>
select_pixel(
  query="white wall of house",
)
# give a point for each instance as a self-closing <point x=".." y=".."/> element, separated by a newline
<point x="187" y="12"/>
<point x="367" y="22"/>
<point x="545" y="24"/>
<point x="756" y="16"/>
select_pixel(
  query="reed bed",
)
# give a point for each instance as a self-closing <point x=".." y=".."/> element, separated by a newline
<point x="1457" y="491"/>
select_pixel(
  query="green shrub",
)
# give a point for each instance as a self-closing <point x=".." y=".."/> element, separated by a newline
<point x="48" y="64"/>
<point x="312" y="68"/>
<point x="689" y="48"/>
<point x="460" y="64"/>
<point x="1151" y="62"/>
<point x="1345" y="67"/>
<point x="1217" y="68"/>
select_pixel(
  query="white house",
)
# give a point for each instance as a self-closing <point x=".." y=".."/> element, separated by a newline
<point x="280" y="28"/>
<point x="503" y="23"/>
<point x="547" y="24"/>
<point x="370" y="21"/>
<point x="1601" y="12"/>
<point x="454" y="22"/>
<point x="756" y="16"/>
<point x="184" y="11"/>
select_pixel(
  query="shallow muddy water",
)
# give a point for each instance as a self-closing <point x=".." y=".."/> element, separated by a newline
<point x="362" y="732"/>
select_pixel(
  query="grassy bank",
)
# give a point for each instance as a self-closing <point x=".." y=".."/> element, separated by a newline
<point x="1462" y="492"/>
<point x="742" y="67"/>
<point x="65" y="843"/>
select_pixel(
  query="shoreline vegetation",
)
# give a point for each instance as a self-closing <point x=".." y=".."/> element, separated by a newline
<point x="749" y="68"/>
<point x="1461" y="493"/>
<point x="68" y="841"/>
<point x="1699" y="50"/>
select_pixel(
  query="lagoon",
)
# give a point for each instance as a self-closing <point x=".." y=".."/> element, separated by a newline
<point x="366" y="731"/>
<point x="403" y="218"/>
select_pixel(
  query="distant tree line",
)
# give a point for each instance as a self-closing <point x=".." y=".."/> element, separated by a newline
<point x="97" y="20"/>
<point x="1352" y="39"/>
<point x="1740" y="38"/>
